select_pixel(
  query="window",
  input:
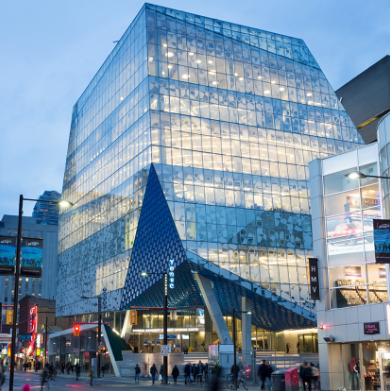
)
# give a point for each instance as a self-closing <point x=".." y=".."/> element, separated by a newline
<point x="338" y="182"/>
<point x="341" y="203"/>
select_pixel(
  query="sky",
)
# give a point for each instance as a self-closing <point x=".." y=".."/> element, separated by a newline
<point x="50" y="50"/>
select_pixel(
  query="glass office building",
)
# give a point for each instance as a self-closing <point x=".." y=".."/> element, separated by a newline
<point x="192" y="143"/>
<point x="44" y="212"/>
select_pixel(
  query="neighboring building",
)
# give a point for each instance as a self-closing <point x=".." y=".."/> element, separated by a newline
<point x="44" y="212"/>
<point x="367" y="98"/>
<point x="44" y="287"/>
<point x="354" y="289"/>
<point x="192" y="144"/>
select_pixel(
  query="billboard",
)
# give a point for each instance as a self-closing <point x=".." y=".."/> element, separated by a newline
<point x="7" y="255"/>
<point x="31" y="263"/>
<point x="382" y="240"/>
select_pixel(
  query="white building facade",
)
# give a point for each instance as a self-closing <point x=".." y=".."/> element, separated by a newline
<point x="352" y="313"/>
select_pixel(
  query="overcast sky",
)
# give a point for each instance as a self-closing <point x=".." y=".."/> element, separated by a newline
<point x="50" y="50"/>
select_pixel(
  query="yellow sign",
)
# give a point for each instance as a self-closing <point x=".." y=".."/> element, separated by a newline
<point x="133" y="318"/>
<point x="9" y="316"/>
<point x="38" y="352"/>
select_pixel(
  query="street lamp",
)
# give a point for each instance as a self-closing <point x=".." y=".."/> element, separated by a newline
<point x="62" y="203"/>
<point x="359" y="174"/>
<point x="165" y="358"/>
<point x="99" y="328"/>
<point x="234" y="345"/>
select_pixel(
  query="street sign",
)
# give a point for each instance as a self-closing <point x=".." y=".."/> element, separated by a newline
<point x="164" y="350"/>
<point x="101" y="344"/>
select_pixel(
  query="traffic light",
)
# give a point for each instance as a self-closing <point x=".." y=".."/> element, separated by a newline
<point x="104" y="349"/>
<point x="76" y="330"/>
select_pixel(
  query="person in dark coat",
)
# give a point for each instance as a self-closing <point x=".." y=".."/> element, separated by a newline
<point x="206" y="371"/>
<point x="175" y="373"/>
<point x="307" y="375"/>
<point x="301" y="370"/>
<point x="268" y="374"/>
<point x="187" y="373"/>
<point x="261" y="373"/>
<point x="153" y="371"/>
<point x="78" y="370"/>
<point x="194" y="372"/>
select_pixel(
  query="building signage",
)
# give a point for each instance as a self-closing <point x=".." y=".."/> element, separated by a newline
<point x="33" y="330"/>
<point x="171" y="273"/>
<point x="5" y="338"/>
<point x="382" y="240"/>
<point x="7" y="255"/>
<point x="371" y="328"/>
<point x="31" y="264"/>
<point x="314" y="283"/>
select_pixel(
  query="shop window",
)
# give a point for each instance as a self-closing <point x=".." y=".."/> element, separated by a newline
<point x="369" y="169"/>
<point x="348" y="224"/>
<point x="342" y="203"/>
<point x="338" y="182"/>
<point x="376" y="273"/>
<point x="347" y="252"/>
<point x="370" y="196"/>
<point x="348" y="296"/>
<point x="377" y="293"/>
<point x="347" y="276"/>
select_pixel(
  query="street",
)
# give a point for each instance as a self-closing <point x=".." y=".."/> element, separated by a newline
<point x="106" y="383"/>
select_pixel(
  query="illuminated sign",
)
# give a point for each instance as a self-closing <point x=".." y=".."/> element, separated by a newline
<point x="200" y="315"/>
<point x="171" y="273"/>
<point x="33" y="330"/>
<point x="31" y="263"/>
<point x="382" y="240"/>
<point x="7" y="255"/>
<point x="371" y="328"/>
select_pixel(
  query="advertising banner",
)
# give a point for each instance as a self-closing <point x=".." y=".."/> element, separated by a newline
<point x="7" y="255"/>
<point x="353" y="271"/>
<point x="382" y="240"/>
<point x="31" y="264"/>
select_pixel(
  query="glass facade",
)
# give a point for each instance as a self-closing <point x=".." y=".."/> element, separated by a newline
<point x="350" y="207"/>
<point x="230" y="116"/>
<point x="44" y="212"/>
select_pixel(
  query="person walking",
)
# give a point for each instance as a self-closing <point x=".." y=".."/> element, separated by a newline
<point x="175" y="373"/>
<point x="268" y="374"/>
<point x="103" y="369"/>
<point x="307" y="375"/>
<point x="298" y="347"/>
<point x="187" y="374"/>
<point x="68" y="368"/>
<point x="193" y="372"/>
<point x="200" y="372"/>
<point x="162" y="374"/>
<point x="206" y="372"/>
<point x="137" y="372"/>
<point x="301" y="371"/>
<point x="261" y="373"/>
<point x="288" y="347"/>
<point x="44" y="376"/>
<point x="315" y="372"/>
<point x="90" y="374"/>
<point x="63" y="368"/>
<point x="153" y="371"/>
<point x="78" y="370"/>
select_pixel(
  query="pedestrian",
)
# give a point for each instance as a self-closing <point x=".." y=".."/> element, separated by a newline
<point x="203" y="345"/>
<point x="90" y="374"/>
<point x="287" y="347"/>
<point x="234" y="370"/>
<point x="153" y="371"/>
<point x="315" y="375"/>
<point x="268" y="374"/>
<point x="200" y="372"/>
<point x="44" y="376"/>
<point x="175" y="373"/>
<point x="187" y="374"/>
<point x="36" y="366"/>
<point x="301" y="370"/>
<point x="298" y="347"/>
<point x="162" y="373"/>
<point x="103" y="369"/>
<point x="206" y="372"/>
<point x="193" y="372"/>
<point x="78" y="370"/>
<point x="68" y="368"/>
<point x="63" y="368"/>
<point x="306" y="376"/>
<point x="261" y="373"/>
<point x="137" y="372"/>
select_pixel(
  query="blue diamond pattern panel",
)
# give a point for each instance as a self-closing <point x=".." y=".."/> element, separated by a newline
<point x="157" y="242"/>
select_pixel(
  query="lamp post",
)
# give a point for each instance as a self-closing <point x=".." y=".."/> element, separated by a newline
<point x="234" y="346"/>
<point x="165" y="358"/>
<point x="62" y="203"/>
<point x="99" y="329"/>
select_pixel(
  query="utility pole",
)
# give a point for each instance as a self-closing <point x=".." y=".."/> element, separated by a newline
<point x="99" y="334"/>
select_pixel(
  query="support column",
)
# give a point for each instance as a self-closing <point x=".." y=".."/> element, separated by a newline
<point x="246" y="335"/>
<point x="214" y="310"/>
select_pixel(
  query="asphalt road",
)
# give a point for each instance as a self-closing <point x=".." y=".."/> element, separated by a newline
<point x="107" y="383"/>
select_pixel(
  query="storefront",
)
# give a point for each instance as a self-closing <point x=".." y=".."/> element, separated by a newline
<point x="353" y="310"/>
